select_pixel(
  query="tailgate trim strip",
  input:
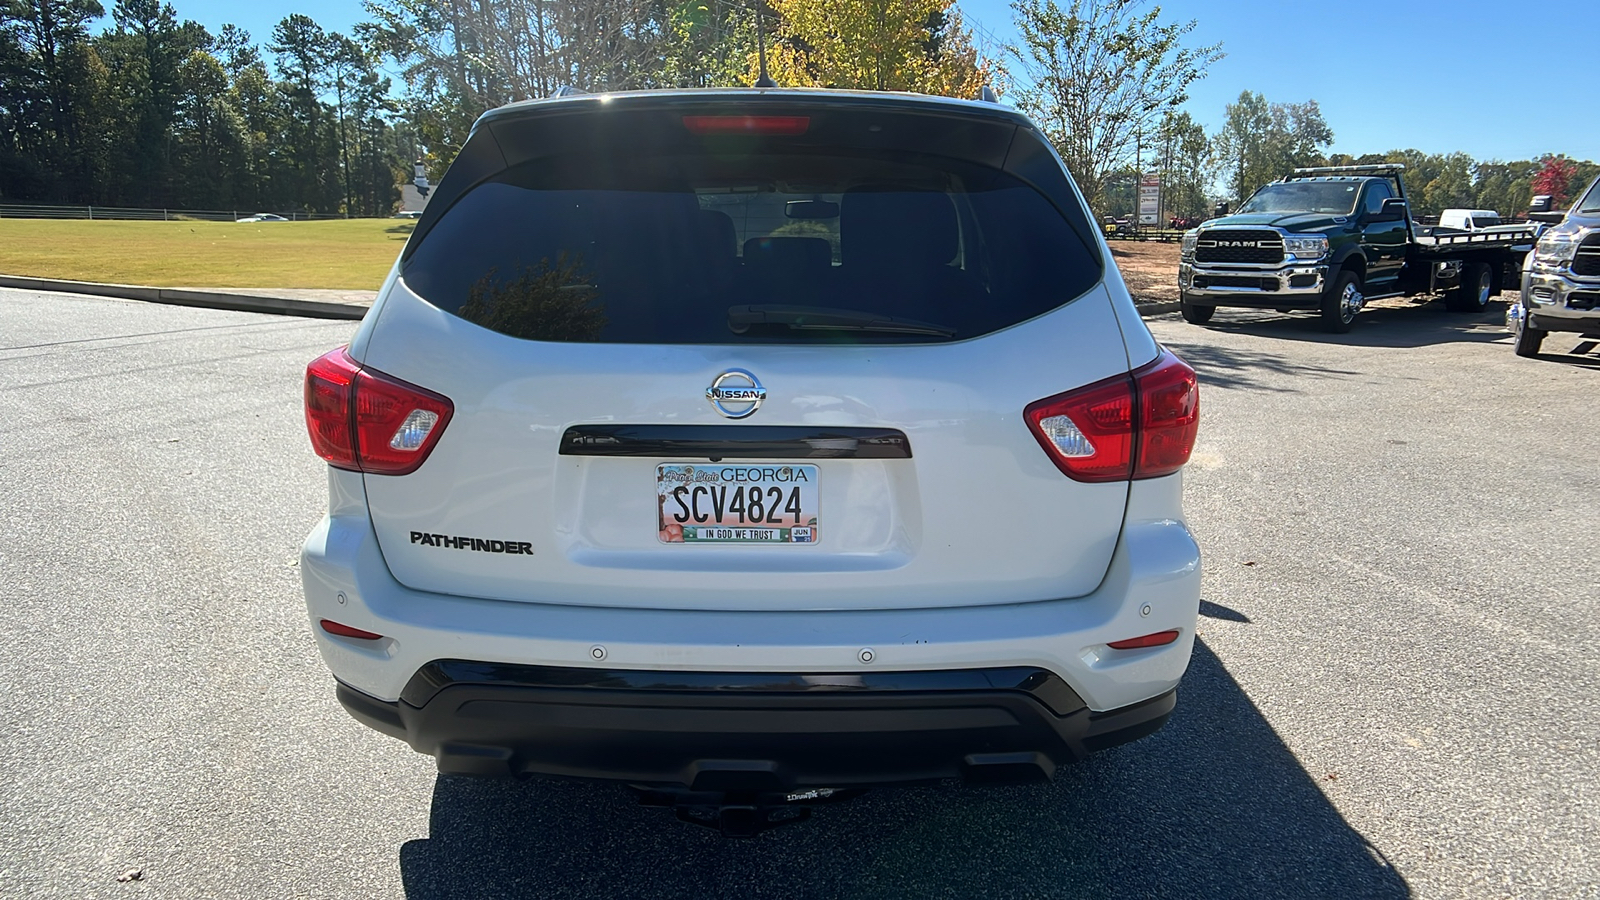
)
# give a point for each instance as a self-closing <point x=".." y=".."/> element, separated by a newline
<point x="1043" y="685"/>
<point x="719" y="442"/>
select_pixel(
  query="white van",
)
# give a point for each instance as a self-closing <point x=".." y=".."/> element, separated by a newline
<point x="1469" y="219"/>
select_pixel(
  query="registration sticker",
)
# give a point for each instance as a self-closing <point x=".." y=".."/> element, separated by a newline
<point x="737" y="503"/>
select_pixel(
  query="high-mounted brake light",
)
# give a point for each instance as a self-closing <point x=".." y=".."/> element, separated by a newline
<point x="346" y="631"/>
<point x="1140" y="425"/>
<point x="1159" y="639"/>
<point x="790" y="125"/>
<point x="366" y="421"/>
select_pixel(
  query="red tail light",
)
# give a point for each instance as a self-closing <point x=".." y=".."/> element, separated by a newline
<point x="747" y="124"/>
<point x="1140" y="425"/>
<point x="1169" y="415"/>
<point x="366" y="421"/>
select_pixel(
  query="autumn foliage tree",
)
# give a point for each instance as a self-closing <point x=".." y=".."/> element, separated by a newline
<point x="878" y="45"/>
<point x="1555" y="178"/>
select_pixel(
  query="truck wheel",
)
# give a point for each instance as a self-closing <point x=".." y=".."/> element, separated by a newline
<point x="1195" y="313"/>
<point x="1341" y="302"/>
<point x="1477" y="286"/>
<point x="1528" y="338"/>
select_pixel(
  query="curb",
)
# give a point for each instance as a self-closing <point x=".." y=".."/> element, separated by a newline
<point x="283" y="306"/>
<point x="1159" y="308"/>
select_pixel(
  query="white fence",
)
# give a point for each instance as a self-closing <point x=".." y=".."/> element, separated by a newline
<point x="40" y="211"/>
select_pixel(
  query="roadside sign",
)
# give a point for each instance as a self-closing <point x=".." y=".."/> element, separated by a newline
<point x="1150" y="199"/>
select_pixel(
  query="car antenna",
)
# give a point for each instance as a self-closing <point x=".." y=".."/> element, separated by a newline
<point x="763" y="80"/>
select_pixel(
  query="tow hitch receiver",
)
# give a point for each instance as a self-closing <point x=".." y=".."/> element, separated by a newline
<point x="742" y="813"/>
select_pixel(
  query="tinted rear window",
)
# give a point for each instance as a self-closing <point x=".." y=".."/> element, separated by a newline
<point x="737" y="243"/>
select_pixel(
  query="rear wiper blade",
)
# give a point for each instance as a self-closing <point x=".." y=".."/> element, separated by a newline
<point x="824" y="318"/>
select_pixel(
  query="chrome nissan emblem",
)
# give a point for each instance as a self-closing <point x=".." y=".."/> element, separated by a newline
<point x="736" y="393"/>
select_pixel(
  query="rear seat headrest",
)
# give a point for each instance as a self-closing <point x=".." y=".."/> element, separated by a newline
<point x="792" y="254"/>
<point x="717" y="235"/>
<point x="897" y="225"/>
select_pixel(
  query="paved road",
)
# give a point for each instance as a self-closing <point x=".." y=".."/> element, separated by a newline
<point x="1394" y="694"/>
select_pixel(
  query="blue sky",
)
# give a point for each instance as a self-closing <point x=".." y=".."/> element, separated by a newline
<point x="1481" y="76"/>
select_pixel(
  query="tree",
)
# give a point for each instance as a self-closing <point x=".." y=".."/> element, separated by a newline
<point x="1261" y="142"/>
<point x="1183" y="148"/>
<point x="208" y="134"/>
<point x="49" y="92"/>
<point x="154" y="111"/>
<point x="1555" y="177"/>
<point x="877" y="45"/>
<point x="345" y="63"/>
<point x="143" y="54"/>
<point x="1452" y="188"/>
<point x="235" y="50"/>
<point x="300" y="46"/>
<point x="462" y="57"/>
<point x="1103" y="74"/>
<point x="1506" y="188"/>
<point x="707" y="43"/>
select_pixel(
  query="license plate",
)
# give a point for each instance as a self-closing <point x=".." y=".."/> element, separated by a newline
<point x="736" y="503"/>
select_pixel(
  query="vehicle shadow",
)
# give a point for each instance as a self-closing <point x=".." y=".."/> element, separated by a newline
<point x="1389" y="323"/>
<point x="1231" y="367"/>
<point x="1212" y="806"/>
<point x="1584" y="352"/>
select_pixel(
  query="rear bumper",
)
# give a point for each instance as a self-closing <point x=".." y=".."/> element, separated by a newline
<point x="759" y="732"/>
<point x="1289" y="287"/>
<point x="1151" y="585"/>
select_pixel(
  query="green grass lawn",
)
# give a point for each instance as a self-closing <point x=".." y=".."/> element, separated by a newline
<point x="354" y="254"/>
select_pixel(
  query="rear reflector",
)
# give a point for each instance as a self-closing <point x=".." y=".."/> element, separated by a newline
<point x="366" y="421"/>
<point x="1140" y="425"/>
<point x="346" y="631"/>
<point x="747" y="124"/>
<point x="1160" y="638"/>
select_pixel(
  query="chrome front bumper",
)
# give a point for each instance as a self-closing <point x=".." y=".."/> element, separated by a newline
<point x="1555" y="301"/>
<point x="1289" y="286"/>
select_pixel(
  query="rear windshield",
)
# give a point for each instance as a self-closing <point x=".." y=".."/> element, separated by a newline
<point x="815" y="244"/>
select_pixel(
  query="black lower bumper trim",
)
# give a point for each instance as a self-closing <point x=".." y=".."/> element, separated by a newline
<point x="718" y="732"/>
<point x="1576" y="321"/>
<point x="1239" y="300"/>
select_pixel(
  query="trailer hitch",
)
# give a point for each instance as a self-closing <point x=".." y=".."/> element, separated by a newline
<point x="741" y="813"/>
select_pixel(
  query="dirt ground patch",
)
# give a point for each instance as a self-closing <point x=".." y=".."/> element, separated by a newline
<point x="1149" y="267"/>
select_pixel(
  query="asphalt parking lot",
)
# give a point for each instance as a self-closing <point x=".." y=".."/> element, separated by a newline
<point x="1393" y="694"/>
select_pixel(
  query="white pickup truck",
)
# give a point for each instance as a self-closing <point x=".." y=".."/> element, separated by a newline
<point x="1561" y="279"/>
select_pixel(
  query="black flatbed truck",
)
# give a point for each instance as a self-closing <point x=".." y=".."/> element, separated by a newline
<point x="1329" y="239"/>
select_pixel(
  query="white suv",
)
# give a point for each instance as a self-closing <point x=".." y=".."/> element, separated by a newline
<point x="755" y="444"/>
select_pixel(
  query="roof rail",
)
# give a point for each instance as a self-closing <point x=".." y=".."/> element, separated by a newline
<point x="1376" y="169"/>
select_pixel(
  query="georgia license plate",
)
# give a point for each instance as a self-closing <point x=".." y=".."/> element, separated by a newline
<point x="736" y="503"/>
